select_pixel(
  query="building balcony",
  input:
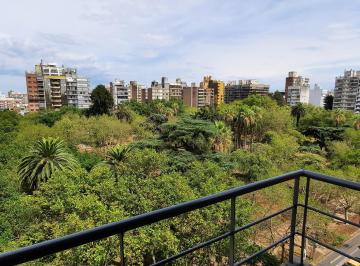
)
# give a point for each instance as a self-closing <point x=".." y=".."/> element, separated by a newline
<point x="296" y="238"/>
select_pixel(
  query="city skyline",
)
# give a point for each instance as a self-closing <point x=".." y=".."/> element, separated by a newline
<point x="136" y="40"/>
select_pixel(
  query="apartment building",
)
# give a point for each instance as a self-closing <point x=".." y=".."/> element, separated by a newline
<point x="347" y="91"/>
<point x="296" y="89"/>
<point x="119" y="91"/>
<point x="296" y="81"/>
<point x="316" y="96"/>
<point x="237" y="90"/>
<point x="14" y="101"/>
<point x="190" y="95"/>
<point x="212" y="90"/>
<point x="52" y="86"/>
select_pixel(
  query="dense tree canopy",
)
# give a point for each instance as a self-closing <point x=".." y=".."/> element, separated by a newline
<point x="84" y="171"/>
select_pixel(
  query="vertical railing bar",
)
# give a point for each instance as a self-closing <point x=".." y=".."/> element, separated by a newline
<point x="293" y="219"/>
<point x="303" y="231"/>
<point x="232" y="232"/>
<point x="122" y="254"/>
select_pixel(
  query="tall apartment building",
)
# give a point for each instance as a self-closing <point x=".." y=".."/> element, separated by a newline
<point x="296" y="89"/>
<point x="77" y="90"/>
<point x="213" y="90"/>
<point x="347" y="91"/>
<point x="190" y="96"/>
<point x="293" y="79"/>
<point x="51" y="86"/>
<point x="243" y="88"/>
<point x="176" y="89"/>
<point x="316" y="96"/>
<point x="119" y="91"/>
<point x="157" y="91"/>
<point x="135" y="93"/>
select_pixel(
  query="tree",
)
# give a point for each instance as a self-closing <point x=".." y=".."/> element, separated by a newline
<point x="298" y="111"/>
<point x="278" y="97"/>
<point x="102" y="101"/>
<point x="125" y="113"/>
<point x="223" y="137"/>
<point x="48" y="155"/>
<point x="244" y="121"/>
<point x="339" y="117"/>
<point x="115" y="156"/>
<point x="328" y="102"/>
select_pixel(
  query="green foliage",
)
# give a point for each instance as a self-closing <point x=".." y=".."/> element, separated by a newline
<point x="47" y="156"/>
<point x="171" y="158"/>
<point x="87" y="160"/>
<point x="328" y="102"/>
<point x="298" y="111"/>
<point x="50" y="117"/>
<point x="102" y="101"/>
<point x="189" y="134"/>
<point x="9" y="121"/>
<point x="323" y="135"/>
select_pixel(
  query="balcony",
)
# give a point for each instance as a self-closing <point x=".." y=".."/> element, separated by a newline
<point x="298" y="224"/>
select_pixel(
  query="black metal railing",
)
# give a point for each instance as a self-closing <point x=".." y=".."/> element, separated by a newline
<point x="49" y="247"/>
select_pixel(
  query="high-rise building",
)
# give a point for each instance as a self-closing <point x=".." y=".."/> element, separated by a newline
<point x="77" y="90"/>
<point x="243" y="88"/>
<point x="119" y="91"/>
<point x="317" y="95"/>
<point x="347" y="91"/>
<point x="176" y="89"/>
<point x="296" y="89"/>
<point x="135" y="91"/>
<point x="296" y="81"/>
<point x="213" y="90"/>
<point x="157" y="91"/>
<point x="190" y="96"/>
<point x="51" y="86"/>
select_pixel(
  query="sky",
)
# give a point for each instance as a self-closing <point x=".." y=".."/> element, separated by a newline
<point x="144" y="40"/>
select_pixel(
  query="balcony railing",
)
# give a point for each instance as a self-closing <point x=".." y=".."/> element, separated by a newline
<point x="49" y="247"/>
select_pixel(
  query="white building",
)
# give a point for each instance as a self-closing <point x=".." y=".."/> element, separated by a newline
<point x="119" y="91"/>
<point x="317" y="95"/>
<point x="298" y="94"/>
<point x="347" y="91"/>
<point x="296" y="88"/>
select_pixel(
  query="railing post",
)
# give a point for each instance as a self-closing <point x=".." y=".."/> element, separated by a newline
<point x="293" y="219"/>
<point x="232" y="232"/>
<point x="122" y="256"/>
<point x="303" y="231"/>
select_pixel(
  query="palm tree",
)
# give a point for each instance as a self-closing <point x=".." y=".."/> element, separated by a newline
<point x="115" y="156"/>
<point x="223" y="138"/>
<point x="298" y="111"/>
<point x="244" y="120"/>
<point x="339" y="117"/>
<point x="175" y="108"/>
<point x="48" y="155"/>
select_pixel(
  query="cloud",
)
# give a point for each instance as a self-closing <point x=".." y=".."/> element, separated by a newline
<point x="144" y="40"/>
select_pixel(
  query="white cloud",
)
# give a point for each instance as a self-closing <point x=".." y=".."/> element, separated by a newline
<point x="144" y="40"/>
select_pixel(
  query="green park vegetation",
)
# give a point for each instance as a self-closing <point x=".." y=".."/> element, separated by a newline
<point x="65" y="171"/>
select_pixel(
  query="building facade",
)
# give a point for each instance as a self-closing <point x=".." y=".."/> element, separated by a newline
<point x="51" y="86"/>
<point x="347" y="91"/>
<point x="297" y="89"/>
<point x="317" y="95"/>
<point x="300" y="85"/>
<point x="243" y="88"/>
<point x="119" y="91"/>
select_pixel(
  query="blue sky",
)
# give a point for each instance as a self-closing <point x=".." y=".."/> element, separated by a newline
<point x="144" y="40"/>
